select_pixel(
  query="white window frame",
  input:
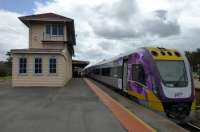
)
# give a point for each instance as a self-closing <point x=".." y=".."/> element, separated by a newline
<point x="23" y="68"/>
<point x="51" y="29"/>
<point x="49" y="66"/>
<point x="39" y="73"/>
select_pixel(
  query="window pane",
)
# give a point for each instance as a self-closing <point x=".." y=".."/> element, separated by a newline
<point x="106" y="71"/>
<point x="52" y="65"/>
<point x="135" y="72"/>
<point x="116" y="72"/>
<point x="173" y="73"/>
<point x="54" y="29"/>
<point x="48" y="29"/>
<point x="22" y="65"/>
<point x="24" y="70"/>
<point x="38" y="65"/>
<point x="60" y="29"/>
<point x="138" y="74"/>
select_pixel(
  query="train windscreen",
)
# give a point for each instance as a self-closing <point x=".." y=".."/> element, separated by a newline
<point x="173" y="73"/>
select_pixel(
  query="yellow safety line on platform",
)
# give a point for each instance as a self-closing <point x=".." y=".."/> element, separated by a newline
<point x="130" y="121"/>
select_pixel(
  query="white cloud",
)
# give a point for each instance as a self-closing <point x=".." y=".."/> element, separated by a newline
<point x="108" y="27"/>
<point x="13" y="34"/>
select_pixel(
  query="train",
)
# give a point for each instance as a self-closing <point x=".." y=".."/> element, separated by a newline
<point x="158" y="78"/>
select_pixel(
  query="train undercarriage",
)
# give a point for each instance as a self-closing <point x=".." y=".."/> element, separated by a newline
<point x="177" y="111"/>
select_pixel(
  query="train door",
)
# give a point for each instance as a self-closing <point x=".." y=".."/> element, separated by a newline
<point x="125" y="75"/>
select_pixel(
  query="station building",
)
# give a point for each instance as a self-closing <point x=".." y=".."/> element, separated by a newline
<point x="48" y="59"/>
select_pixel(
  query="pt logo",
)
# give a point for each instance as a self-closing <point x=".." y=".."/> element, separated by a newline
<point x="178" y="94"/>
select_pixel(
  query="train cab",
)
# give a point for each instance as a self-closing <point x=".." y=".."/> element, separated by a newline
<point x="162" y="77"/>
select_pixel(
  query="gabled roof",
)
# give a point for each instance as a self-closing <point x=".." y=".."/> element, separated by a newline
<point x="46" y="17"/>
<point x="52" y="17"/>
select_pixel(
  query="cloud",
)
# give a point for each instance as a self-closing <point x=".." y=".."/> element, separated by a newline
<point x="127" y="22"/>
<point x="107" y="28"/>
<point x="119" y="10"/>
<point x="114" y="31"/>
<point x="13" y="34"/>
<point x="160" y="25"/>
<point x="161" y="14"/>
<point x="114" y="21"/>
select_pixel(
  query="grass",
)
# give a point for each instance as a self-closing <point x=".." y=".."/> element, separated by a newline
<point x="5" y="78"/>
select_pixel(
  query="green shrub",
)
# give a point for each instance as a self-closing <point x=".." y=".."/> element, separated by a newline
<point x="4" y="70"/>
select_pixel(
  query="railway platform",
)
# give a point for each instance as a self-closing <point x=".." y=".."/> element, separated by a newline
<point x="83" y="105"/>
<point x="73" y="108"/>
<point x="157" y="122"/>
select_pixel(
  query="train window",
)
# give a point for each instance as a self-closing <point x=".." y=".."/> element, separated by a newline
<point x="169" y="53"/>
<point x="138" y="74"/>
<point x="100" y="73"/>
<point x="154" y="53"/>
<point x="106" y="71"/>
<point x="119" y="72"/>
<point x="163" y="53"/>
<point x="96" y="71"/>
<point x="177" y="54"/>
<point x="116" y="72"/>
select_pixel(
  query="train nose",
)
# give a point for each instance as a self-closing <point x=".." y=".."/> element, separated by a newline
<point x="180" y="108"/>
<point x="177" y="110"/>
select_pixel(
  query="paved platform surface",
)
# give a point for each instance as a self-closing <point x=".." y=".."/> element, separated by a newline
<point x="131" y="122"/>
<point x="155" y="120"/>
<point x="74" y="108"/>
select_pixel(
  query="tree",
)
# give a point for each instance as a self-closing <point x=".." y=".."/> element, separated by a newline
<point x="9" y="63"/>
<point x="6" y="66"/>
<point x="194" y="58"/>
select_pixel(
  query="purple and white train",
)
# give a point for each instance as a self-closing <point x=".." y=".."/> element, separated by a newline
<point x="158" y="78"/>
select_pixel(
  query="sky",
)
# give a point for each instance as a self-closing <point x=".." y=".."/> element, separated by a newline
<point x="106" y="28"/>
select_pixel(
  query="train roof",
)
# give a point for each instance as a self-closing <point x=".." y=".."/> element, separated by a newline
<point x="104" y="61"/>
<point x="165" y="54"/>
<point x="157" y="53"/>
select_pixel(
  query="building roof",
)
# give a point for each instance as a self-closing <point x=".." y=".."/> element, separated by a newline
<point x="52" y="17"/>
<point x="36" y="51"/>
<point x="80" y="62"/>
<point x="46" y="17"/>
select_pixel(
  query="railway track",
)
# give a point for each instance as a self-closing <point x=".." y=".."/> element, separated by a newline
<point x="191" y="127"/>
<point x="194" y="126"/>
<point x="198" y="107"/>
